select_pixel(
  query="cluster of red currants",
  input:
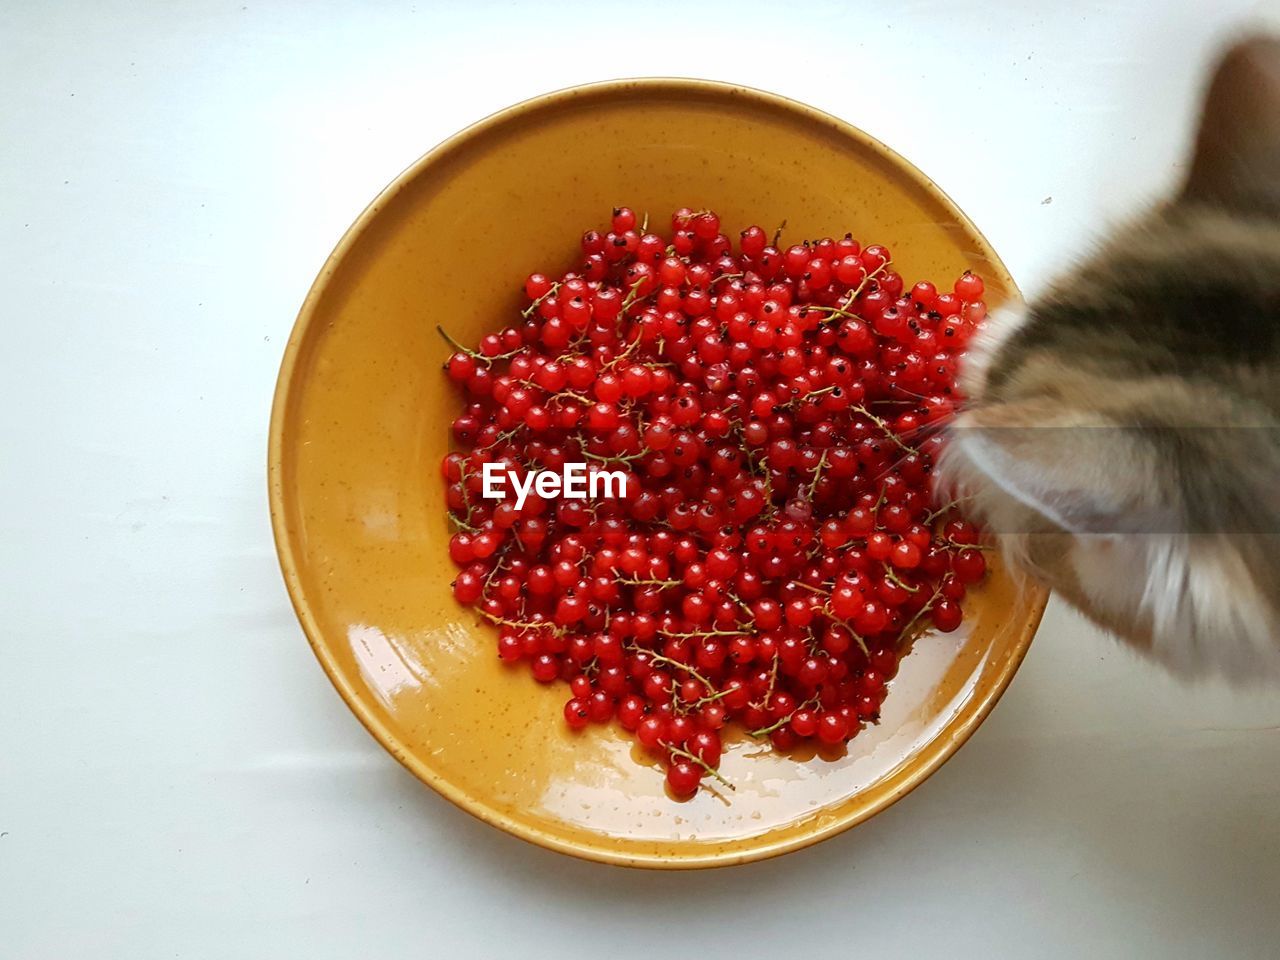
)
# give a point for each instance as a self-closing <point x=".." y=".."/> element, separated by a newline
<point x="776" y="415"/>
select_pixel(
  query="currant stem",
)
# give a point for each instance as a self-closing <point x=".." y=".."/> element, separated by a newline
<point x="814" y="393"/>
<point x="905" y="632"/>
<point x="473" y="354"/>
<point x="867" y="279"/>
<point x="455" y="344"/>
<point x="857" y="637"/>
<point x="630" y="347"/>
<point x="620" y="457"/>
<point x="957" y="545"/>
<point x="768" y="485"/>
<point x="832" y="311"/>
<point x="461" y="524"/>
<point x="466" y="497"/>
<point x="765" y="731"/>
<point x="632" y="295"/>
<point x="884" y="426"/>
<point x="693" y="758"/>
<point x="535" y="304"/>
<point x="710" y="633"/>
<point x="709" y="698"/>
<point x="497" y="567"/>
<point x="636" y="582"/>
<point x="846" y="309"/>
<point x="520" y="624"/>
<point x="817" y="473"/>
<point x="933" y="515"/>
<point x="898" y="582"/>
<point x="817" y="590"/>
<point x="763" y="702"/>
<point x="659" y="658"/>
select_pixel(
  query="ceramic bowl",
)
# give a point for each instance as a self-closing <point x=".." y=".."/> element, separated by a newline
<point x="360" y="425"/>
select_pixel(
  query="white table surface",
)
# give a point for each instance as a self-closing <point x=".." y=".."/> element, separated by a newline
<point x="177" y="777"/>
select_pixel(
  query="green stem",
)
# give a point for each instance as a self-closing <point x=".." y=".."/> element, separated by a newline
<point x="957" y="545"/>
<point x="462" y="486"/>
<point x="460" y="523"/>
<point x="867" y="279"/>
<point x="933" y="515"/>
<point x="712" y="633"/>
<point x="928" y="605"/>
<point x="610" y="458"/>
<point x="817" y="473"/>
<point x="709" y="698"/>
<point x="806" y="586"/>
<point x="763" y="702"/>
<point x="857" y="637"/>
<point x="898" y="582"/>
<point x="632" y="296"/>
<point x="520" y="624"/>
<point x="497" y="567"/>
<point x="630" y="347"/>
<point x="534" y="306"/>
<point x="765" y="731"/>
<point x="659" y="658"/>
<point x="473" y="354"/>
<point x="884" y="426"/>
<point x="707" y="768"/>
<point x="845" y="309"/>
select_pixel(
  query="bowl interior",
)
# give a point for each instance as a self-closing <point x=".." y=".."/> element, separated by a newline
<point x="361" y="423"/>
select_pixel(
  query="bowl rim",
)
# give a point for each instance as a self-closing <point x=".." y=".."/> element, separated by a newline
<point x="937" y="751"/>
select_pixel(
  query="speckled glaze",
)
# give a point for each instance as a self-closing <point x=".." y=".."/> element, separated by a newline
<point x="360" y="424"/>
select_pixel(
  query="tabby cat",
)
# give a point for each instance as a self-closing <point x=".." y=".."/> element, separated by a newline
<point x="1122" y="434"/>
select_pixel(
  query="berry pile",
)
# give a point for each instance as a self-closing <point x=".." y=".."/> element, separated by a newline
<point x="775" y="413"/>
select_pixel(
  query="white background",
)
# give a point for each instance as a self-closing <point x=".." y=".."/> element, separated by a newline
<point x="177" y="777"/>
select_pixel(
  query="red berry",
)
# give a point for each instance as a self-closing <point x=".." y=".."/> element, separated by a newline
<point x="832" y="728"/>
<point x="776" y="441"/>
<point x="537" y="286"/>
<point x="545" y="668"/>
<point x="651" y="731"/>
<point x="969" y="287"/>
<point x="683" y="778"/>
<point x="969" y="565"/>
<point x="946" y="615"/>
<point x="905" y="555"/>
<point x="804" y="723"/>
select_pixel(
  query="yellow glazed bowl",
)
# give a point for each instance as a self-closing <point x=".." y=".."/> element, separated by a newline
<point x="360" y="425"/>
